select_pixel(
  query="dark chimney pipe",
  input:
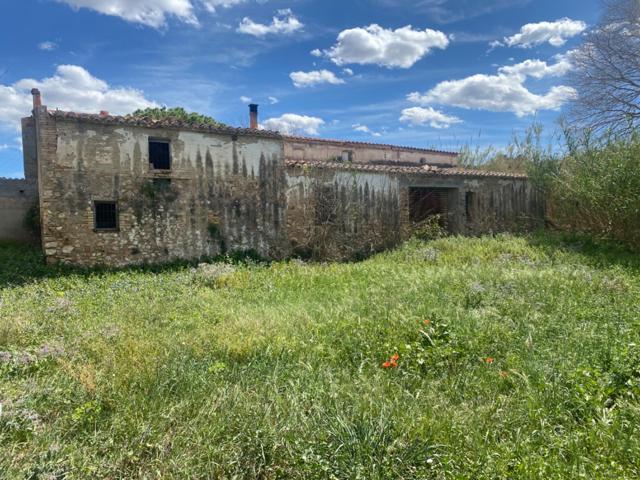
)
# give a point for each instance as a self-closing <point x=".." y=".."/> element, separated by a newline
<point x="37" y="98"/>
<point x="253" y="116"/>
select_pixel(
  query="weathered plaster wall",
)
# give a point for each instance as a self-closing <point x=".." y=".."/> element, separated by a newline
<point x="29" y="149"/>
<point x="334" y="214"/>
<point x="500" y="205"/>
<point x="226" y="193"/>
<point x="230" y="193"/>
<point x="370" y="211"/>
<point x="325" y="150"/>
<point x="16" y="198"/>
<point x="495" y="204"/>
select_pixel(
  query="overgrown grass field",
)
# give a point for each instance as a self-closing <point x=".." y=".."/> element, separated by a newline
<point x="517" y="357"/>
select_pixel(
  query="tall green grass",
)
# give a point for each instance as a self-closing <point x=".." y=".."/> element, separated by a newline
<point x="528" y="366"/>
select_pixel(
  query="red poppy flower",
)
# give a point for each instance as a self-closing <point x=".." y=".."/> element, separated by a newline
<point x="427" y="322"/>
<point x="386" y="365"/>
<point x="489" y="360"/>
<point x="395" y="358"/>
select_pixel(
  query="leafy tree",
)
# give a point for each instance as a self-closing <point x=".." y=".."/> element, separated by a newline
<point x="176" y="113"/>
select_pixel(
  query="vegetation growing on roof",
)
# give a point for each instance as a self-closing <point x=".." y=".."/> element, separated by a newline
<point x="177" y="113"/>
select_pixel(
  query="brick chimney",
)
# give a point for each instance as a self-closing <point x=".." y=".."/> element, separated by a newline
<point x="253" y="116"/>
<point x="104" y="113"/>
<point x="37" y="98"/>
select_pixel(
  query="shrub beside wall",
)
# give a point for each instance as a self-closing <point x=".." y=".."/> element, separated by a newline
<point x="595" y="187"/>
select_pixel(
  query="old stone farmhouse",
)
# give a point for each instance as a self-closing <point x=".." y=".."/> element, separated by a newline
<point x="120" y="190"/>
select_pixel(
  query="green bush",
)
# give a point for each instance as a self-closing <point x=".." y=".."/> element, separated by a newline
<point x="596" y="189"/>
<point x="591" y="185"/>
<point x="429" y="229"/>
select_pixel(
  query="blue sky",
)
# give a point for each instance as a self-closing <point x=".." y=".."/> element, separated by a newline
<point x="432" y="73"/>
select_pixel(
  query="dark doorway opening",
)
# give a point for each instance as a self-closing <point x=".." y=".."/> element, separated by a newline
<point x="427" y="202"/>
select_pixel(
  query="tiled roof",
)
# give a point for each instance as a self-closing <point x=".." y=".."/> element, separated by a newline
<point x="164" y="123"/>
<point x="147" y="122"/>
<point x="364" y="144"/>
<point x="417" y="170"/>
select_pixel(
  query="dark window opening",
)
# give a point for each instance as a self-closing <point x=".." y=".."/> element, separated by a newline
<point x="160" y="154"/>
<point x="428" y="202"/>
<point x="105" y="216"/>
<point x="469" y="204"/>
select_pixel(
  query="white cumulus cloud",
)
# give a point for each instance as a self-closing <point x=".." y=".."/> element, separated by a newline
<point x="244" y="99"/>
<point x="364" y="129"/>
<point x="70" y="88"/>
<point x="47" y="46"/>
<point x="273" y="100"/>
<point x="539" y="69"/>
<point x="375" y="45"/>
<point x="152" y="13"/>
<point x="212" y="5"/>
<point x="316" y="77"/>
<point x="555" y="33"/>
<point x="504" y="92"/>
<point x="285" y="22"/>
<point x="294" y="124"/>
<point x="434" y="118"/>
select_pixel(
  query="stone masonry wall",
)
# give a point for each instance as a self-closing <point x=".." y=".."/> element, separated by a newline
<point x="225" y="193"/>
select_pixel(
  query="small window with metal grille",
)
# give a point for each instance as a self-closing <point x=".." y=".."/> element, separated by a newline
<point x="159" y="154"/>
<point x="105" y="216"/>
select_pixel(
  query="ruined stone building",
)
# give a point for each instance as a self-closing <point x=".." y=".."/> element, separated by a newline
<point x="120" y="190"/>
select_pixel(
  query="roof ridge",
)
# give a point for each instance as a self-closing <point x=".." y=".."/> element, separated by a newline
<point x="418" y="169"/>
<point x="160" y="123"/>
<point x="370" y="144"/>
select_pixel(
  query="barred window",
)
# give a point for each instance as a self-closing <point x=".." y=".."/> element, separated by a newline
<point x="105" y="215"/>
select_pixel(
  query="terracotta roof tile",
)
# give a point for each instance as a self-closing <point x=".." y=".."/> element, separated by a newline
<point x="164" y="123"/>
<point x="293" y="138"/>
<point x="129" y="120"/>
<point x="417" y="170"/>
